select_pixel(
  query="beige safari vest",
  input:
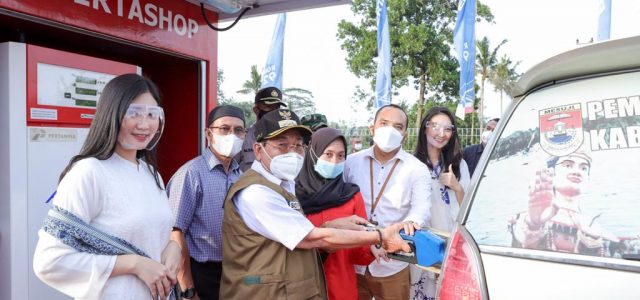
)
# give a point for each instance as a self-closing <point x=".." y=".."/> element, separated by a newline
<point x="255" y="267"/>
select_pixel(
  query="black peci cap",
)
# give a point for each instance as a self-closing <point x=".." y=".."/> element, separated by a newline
<point x="269" y="95"/>
<point x="224" y="111"/>
<point x="278" y="121"/>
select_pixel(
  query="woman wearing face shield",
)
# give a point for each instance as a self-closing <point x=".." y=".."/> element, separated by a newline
<point x="107" y="233"/>
<point x="439" y="148"/>
<point x="324" y="196"/>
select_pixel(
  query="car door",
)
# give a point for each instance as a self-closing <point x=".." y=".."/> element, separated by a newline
<point x="555" y="212"/>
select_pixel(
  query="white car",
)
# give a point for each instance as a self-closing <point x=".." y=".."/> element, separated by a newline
<point x="554" y="207"/>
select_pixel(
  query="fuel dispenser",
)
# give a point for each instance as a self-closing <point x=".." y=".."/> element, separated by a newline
<point x="55" y="58"/>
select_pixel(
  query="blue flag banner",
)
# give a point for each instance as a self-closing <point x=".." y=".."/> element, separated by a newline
<point x="383" y="78"/>
<point x="604" y="20"/>
<point x="272" y="72"/>
<point x="464" y="41"/>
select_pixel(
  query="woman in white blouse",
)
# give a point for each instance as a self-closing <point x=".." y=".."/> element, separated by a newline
<point x="439" y="148"/>
<point x="113" y="186"/>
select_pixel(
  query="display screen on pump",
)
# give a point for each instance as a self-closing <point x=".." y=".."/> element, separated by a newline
<point x="69" y="87"/>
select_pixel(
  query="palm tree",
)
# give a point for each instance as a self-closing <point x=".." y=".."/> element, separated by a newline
<point x="252" y="86"/>
<point x="486" y="60"/>
<point x="297" y="99"/>
<point x="504" y="77"/>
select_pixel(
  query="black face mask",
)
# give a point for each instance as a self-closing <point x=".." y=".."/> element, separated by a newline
<point x="261" y="113"/>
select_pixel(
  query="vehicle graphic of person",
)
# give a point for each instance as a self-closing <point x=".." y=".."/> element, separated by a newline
<point x="554" y="219"/>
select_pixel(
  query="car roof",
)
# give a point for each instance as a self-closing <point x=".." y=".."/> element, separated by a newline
<point x="609" y="56"/>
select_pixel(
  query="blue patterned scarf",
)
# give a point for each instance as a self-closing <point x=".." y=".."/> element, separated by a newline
<point x="75" y="233"/>
<point x="435" y="174"/>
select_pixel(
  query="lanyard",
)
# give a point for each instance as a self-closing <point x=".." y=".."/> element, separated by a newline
<point x="386" y="180"/>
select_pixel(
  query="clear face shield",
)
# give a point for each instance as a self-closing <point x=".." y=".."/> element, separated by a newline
<point x="149" y="120"/>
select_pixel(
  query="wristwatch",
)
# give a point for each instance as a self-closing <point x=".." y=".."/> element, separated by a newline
<point x="188" y="293"/>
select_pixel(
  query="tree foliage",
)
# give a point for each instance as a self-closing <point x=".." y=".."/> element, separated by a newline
<point x="251" y="85"/>
<point x="246" y="107"/>
<point x="486" y="61"/>
<point x="297" y="99"/>
<point x="222" y="98"/>
<point x="504" y="77"/>
<point x="421" y="38"/>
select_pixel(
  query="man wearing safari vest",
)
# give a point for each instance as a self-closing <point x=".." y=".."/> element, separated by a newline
<point x="269" y="246"/>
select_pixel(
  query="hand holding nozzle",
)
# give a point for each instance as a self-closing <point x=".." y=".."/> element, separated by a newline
<point x="391" y="239"/>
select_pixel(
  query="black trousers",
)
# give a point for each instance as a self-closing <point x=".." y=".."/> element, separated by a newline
<point x="206" y="278"/>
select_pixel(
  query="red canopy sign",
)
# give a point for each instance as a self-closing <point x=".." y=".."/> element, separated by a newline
<point x="171" y="25"/>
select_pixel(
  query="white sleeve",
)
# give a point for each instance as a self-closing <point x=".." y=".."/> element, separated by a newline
<point x="420" y="196"/>
<point x="268" y="214"/>
<point x="454" y="206"/>
<point x="465" y="177"/>
<point x="77" y="274"/>
<point x="347" y="169"/>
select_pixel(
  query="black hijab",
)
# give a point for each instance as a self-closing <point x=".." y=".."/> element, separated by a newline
<point x="315" y="192"/>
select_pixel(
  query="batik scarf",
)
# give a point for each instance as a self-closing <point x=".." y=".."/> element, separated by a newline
<point x="74" y="232"/>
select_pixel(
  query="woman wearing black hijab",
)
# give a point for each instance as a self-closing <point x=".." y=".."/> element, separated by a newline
<point x="325" y="196"/>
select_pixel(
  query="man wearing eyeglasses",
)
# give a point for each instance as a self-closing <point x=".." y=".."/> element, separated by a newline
<point x="266" y="100"/>
<point x="196" y="193"/>
<point x="269" y="246"/>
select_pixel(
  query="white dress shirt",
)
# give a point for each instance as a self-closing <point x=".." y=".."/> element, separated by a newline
<point x="407" y="196"/>
<point x="268" y="213"/>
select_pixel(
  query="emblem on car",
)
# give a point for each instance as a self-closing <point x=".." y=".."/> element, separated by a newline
<point x="561" y="130"/>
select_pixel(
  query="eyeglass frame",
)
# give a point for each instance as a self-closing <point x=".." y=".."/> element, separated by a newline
<point x="302" y="147"/>
<point x="440" y="127"/>
<point x="133" y="113"/>
<point x="226" y="130"/>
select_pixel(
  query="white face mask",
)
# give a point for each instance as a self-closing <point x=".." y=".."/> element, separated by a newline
<point x="357" y="146"/>
<point x="387" y="138"/>
<point x="486" y="135"/>
<point x="227" y="145"/>
<point x="285" y="166"/>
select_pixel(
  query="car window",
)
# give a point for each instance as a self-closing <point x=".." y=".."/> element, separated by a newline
<point x="565" y="172"/>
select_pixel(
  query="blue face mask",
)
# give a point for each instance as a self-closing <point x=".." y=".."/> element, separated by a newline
<point x="327" y="169"/>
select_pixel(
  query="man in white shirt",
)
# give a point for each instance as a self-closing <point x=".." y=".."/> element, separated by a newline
<point x="268" y="244"/>
<point x="395" y="187"/>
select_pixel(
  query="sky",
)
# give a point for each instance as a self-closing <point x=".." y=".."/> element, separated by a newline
<point x="313" y="59"/>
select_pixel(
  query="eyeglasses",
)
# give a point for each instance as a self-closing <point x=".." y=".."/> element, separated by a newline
<point x="138" y="112"/>
<point x="285" y="147"/>
<point x="225" y="130"/>
<point x="437" y="127"/>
